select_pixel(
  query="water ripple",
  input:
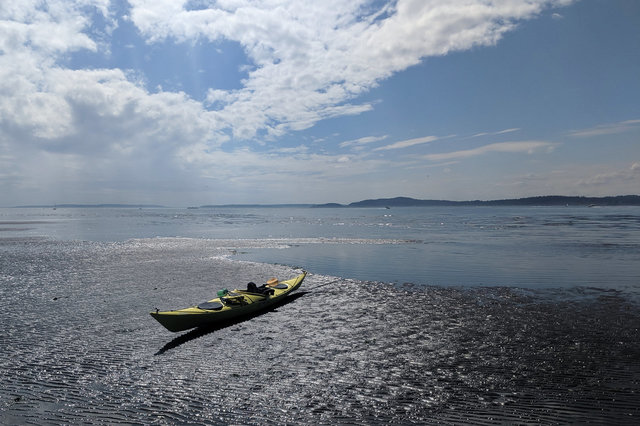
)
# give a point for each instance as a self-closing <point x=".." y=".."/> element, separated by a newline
<point x="80" y="347"/>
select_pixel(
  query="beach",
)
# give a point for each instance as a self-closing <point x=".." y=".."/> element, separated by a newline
<point x="80" y="345"/>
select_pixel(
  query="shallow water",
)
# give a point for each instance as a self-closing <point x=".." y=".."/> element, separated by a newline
<point x="525" y="247"/>
<point x="79" y="345"/>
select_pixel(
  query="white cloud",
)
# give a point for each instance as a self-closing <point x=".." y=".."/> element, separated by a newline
<point x="501" y="132"/>
<point x="313" y="59"/>
<point x="607" y="129"/>
<point x="574" y="179"/>
<point x="310" y="62"/>
<point x="528" y="147"/>
<point x="362" y="141"/>
<point x="291" y="176"/>
<point x="408" y="143"/>
<point x="630" y="174"/>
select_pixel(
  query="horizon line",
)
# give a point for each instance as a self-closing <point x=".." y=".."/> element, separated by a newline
<point x="230" y="205"/>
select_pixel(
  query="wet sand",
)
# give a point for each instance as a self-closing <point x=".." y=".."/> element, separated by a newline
<point x="80" y="346"/>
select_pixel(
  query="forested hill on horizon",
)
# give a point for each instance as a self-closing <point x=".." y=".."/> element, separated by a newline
<point x="548" y="200"/>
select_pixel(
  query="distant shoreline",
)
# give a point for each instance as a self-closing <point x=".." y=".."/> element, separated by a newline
<point x="546" y="200"/>
<point x="88" y="206"/>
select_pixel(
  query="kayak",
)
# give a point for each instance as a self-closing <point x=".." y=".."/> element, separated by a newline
<point x="228" y="306"/>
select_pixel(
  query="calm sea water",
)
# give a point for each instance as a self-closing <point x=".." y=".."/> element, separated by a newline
<point x="531" y="247"/>
<point x="409" y="315"/>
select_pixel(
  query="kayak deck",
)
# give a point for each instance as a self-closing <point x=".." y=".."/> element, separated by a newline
<point x="237" y="303"/>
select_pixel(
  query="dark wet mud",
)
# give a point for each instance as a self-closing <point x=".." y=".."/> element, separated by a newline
<point x="80" y="347"/>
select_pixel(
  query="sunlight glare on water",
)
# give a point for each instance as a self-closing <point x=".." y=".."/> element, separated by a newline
<point x="80" y="346"/>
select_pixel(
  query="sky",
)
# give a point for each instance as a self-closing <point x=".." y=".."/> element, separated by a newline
<point x="198" y="102"/>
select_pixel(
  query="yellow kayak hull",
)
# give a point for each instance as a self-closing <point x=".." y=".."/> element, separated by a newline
<point x="222" y="310"/>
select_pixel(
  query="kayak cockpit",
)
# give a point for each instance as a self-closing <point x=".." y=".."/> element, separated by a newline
<point x="210" y="306"/>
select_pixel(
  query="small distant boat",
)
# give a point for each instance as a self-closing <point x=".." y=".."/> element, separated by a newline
<point x="232" y="305"/>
